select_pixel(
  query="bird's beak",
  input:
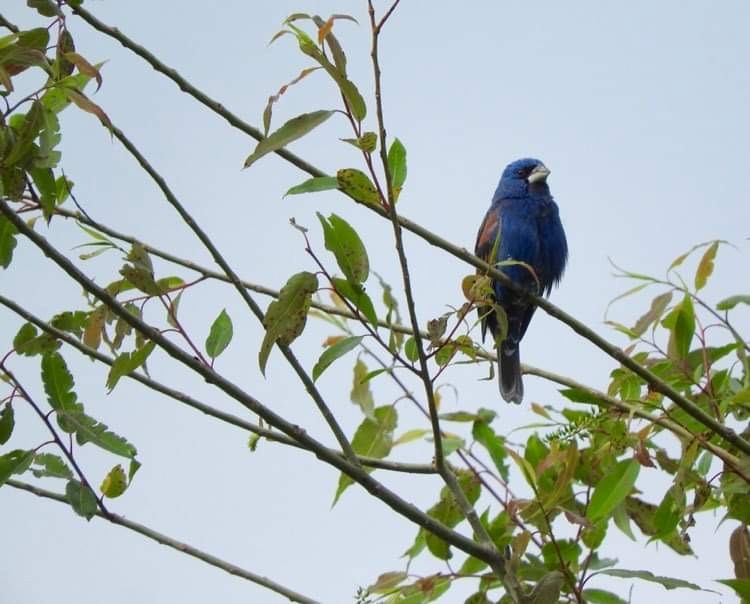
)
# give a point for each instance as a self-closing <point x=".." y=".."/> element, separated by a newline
<point x="538" y="174"/>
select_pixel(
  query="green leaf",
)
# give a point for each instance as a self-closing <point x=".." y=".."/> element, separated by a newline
<point x="494" y="444"/>
<point x="658" y="306"/>
<point x="115" y="483"/>
<point x="547" y="590"/>
<point x="7" y="241"/>
<point x="580" y="396"/>
<point x="14" y="462"/>
<point x="740" y="586"/>
<point x="526" y="468"/>
<point x="669" y="512"/>
<point x="220" y="335"/>
<point x="46" y="8"/>
<point x="334" y="352"/>
<point x="726" y="304"/>
<point x="355" y="293"/>
<point x="448" y="511"/>
<point x="81" y="498"/>
<point x="361" y="394"/>
<point x="410" y="349"/>
<point x="411" y="435"/>
<point x="58" y="382"/>
<point x="7" y="422"/>
<point x="622" y="520"/>
<point x="386" y="582"/>
<point x="28" y="343"/>
<point x="367" y="142"/>
<point x="292" y="130"/>
<point x="127" y="362"/>
<point x="350" y="252"/>
<point x="286" y="317"/>
<point x="34" y="38"/>
<point x="612" y="489"/>
<point x="397" y="166"/>
<point x="599" y="596"/>
<point x="358" y="185"/>
<point x="142" y="278"/>
<point x="372" y="439"/>
<point x="667" y="582"/>
<point x="313" y="185"/>
<point x="52" y="466"/>
<point x="706" y="266"/>
<point x="87" y="429"/>
<point x="681" y="323"/>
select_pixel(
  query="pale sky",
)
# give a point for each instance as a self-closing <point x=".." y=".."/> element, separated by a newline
<point x="639" y="110"/>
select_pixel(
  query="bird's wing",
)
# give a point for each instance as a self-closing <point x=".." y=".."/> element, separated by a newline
<point x="487" y="235"/>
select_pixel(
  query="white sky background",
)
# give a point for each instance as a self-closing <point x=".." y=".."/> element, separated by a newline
<point x="638" y="110"/>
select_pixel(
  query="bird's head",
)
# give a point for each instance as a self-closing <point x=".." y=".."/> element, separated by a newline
<point x="522" y="177"/>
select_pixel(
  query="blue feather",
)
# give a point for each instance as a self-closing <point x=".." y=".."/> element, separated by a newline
<point x="532" y="242"/>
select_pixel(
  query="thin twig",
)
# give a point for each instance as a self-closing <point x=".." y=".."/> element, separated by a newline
<point x="58" y="440"/>
<point x="180" y="546"/>
<point x="353" y="470"/>
<point x="235" y="280"/>
<point x="181" y="397"/>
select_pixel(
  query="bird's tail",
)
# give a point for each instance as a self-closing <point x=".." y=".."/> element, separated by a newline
<point x="509" y="373"/>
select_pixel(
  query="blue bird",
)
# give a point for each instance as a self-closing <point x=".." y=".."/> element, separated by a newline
<point x="522" y="225"/>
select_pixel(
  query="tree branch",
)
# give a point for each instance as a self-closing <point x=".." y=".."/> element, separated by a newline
<point x="181" y="397"/>
<point x="458" y="252"/>
<point x="354" y="471"/>
<point x="180" y="546"/>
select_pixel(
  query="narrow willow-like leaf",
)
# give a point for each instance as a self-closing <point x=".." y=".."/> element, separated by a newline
<point x="292" y="130"/>
<point x="706" y="266"/>
<point x="313" y="185"/>
<point x="494" y="444"/>
<point x="658" y="306"/>
<point x="220" y="335"/>
<point x="645" y="575"/>
<point x="333" y="353"/>
<point x="612" y="489"/>
<point x="397" y="166"/>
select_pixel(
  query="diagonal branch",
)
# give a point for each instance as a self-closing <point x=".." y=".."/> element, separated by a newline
<point x="254" y="308"/>
<point x="353" y="470"/>
<point x="180" y="546"/>
<point x="188" y="400"/>
<point x="458" y="252"/>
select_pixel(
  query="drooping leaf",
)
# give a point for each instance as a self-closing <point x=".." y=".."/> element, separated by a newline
<point x="669" y="512"/>
<point x="313" y="185"/>
<point x="358" y="185"/>
<point x="333" y="353"/>
<point x="681" y="324"/>
<point x="286" y="317"/>
<point x="220" y="335"/>
<point x="706" y="266"/>
<point x="84" y="103"/>
<point x="373" y="438"/>
<point x="85" y="67"/>
<point x="29" y="342"/>
<point x="386" y="582"/>
<point x="267" y="112"/>
<point x="645" y="575"/>
<point x="7" y="422"/>
<point x="361" y="394"/>
<point x="7" y="241"/>
<point x="292" y="130"/>
<point x="346" y="245"/>
<point x="81" y="498"/>
<point x="356" y="294"/>
<point x="87" y="429"/>
<point x="494" y="444"/>
<point x="448" y="511"/>
<point x="115" y="483"/>
<point x="612" y="489"/>
<point x="142" y="278"/>
<point x="658" y="306"/>
<point x="397" y="167"/>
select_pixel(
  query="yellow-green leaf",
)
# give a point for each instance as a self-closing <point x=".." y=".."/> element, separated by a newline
<point x="295" y="128"/>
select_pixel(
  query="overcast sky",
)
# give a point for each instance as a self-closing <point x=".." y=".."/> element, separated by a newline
<point x="640" y="111"/>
